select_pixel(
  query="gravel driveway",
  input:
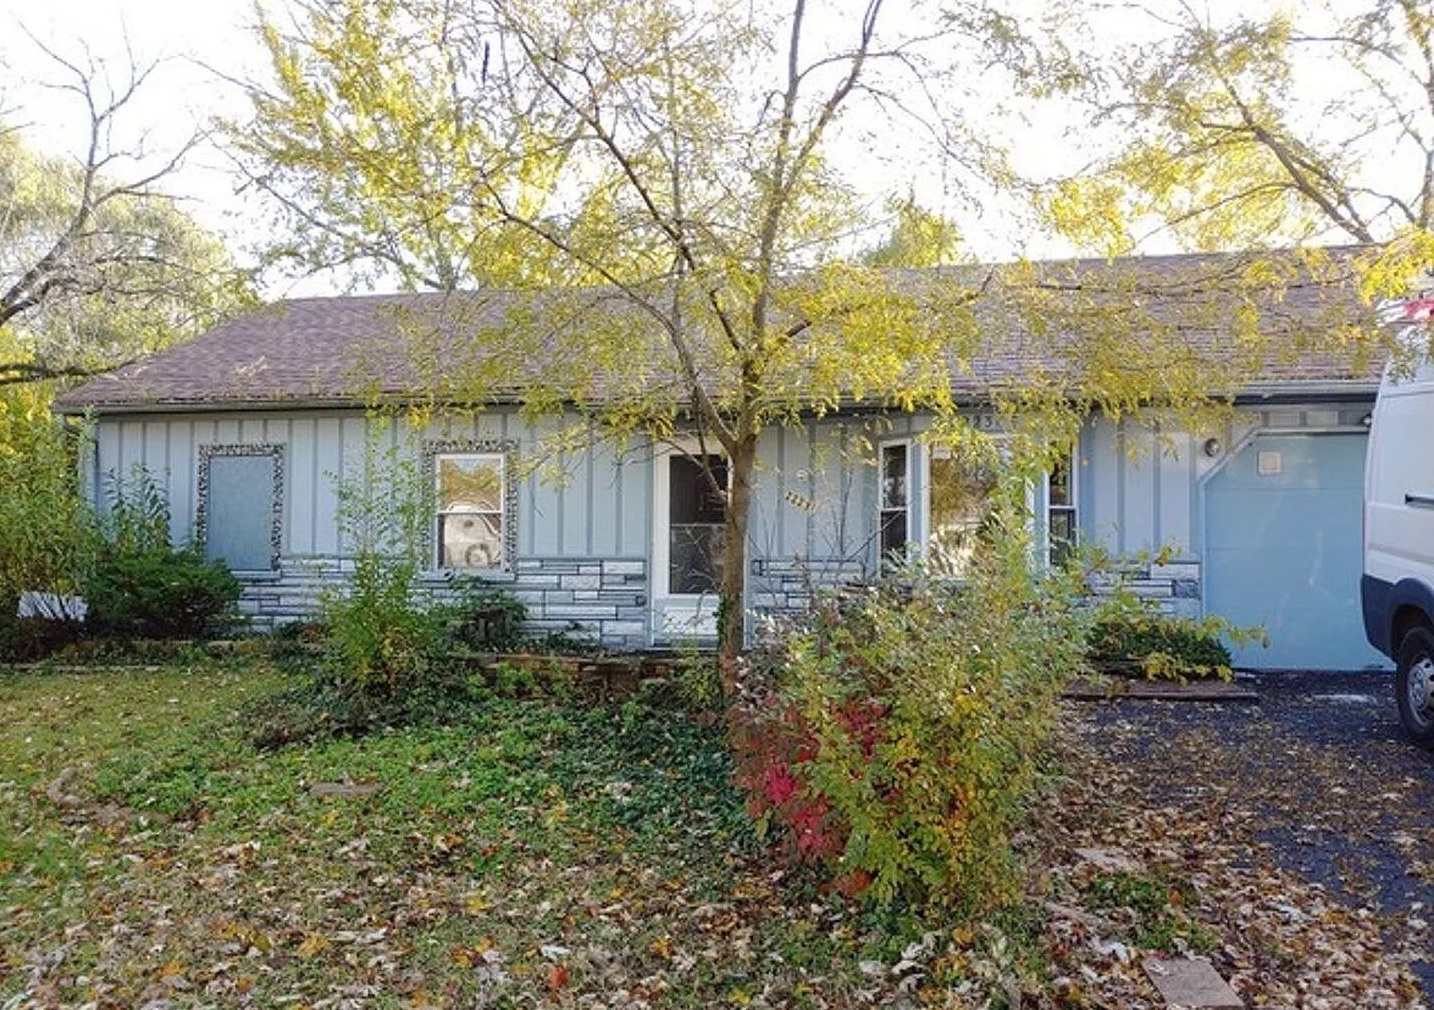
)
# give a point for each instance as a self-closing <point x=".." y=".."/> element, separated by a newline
<point x="1316" y="778"/>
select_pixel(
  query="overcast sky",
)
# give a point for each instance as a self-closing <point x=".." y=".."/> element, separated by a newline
<point x="203" y="41"/>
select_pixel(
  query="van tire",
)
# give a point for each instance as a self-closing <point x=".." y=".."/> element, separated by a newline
<point x="1414" y="686"/>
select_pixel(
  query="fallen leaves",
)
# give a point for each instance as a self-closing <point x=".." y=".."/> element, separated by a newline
<point x="447" y="889"/>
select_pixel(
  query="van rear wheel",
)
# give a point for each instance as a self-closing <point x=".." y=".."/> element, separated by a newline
<point x="1414" y="686"/>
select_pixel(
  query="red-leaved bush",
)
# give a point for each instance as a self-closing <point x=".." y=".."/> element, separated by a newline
<point x="891" y="738"/>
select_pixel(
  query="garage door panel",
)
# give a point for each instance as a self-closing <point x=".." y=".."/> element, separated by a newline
<point x="1283" y="549"/>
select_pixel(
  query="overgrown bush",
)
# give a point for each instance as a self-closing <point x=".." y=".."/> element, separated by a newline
<point x="1158" y="646"/>
<point x="47" y="532"/>
<point x="894" y="736"/>
<point x="482" y="617"/>
<point x="382" y="639"/>
<point x="143" y="587"/>
<point x="26" y="639"/>
<point x="1132" y="634"/>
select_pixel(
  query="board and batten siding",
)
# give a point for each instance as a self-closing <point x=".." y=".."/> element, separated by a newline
<point x="583" y="521"/>
<point x="1141" y="487"/>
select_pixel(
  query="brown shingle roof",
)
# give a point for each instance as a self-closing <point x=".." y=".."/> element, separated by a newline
<point x="1044" y="319"/>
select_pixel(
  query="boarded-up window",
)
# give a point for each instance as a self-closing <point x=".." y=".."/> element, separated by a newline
<point x="240" y="505"/>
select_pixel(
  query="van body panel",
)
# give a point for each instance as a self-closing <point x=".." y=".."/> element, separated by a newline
<point x="1399" y="507"/>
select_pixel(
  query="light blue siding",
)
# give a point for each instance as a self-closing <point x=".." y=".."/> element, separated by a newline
<point x="1283" y="549"/>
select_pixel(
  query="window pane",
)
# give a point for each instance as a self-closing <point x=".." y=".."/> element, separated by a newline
<point x="695" y="558"/>
<point x="1060" y="484"/>
<point x="470" y="540"/>
<point x="893" y="533"/>
<point x="960" y="505"/>
<point x="470" y="483"/>
<point x="696" y="512"/>
<point x="1062" y="534"/>
<point x="692" y="498"/>
<point x="893" y="477"/>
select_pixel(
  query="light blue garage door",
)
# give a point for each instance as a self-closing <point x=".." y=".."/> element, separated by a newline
<point x="1283" y="546"/>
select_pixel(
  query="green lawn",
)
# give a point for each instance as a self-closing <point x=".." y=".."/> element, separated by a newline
<point x="542" y="854"/>
<point x="533" y="854"/>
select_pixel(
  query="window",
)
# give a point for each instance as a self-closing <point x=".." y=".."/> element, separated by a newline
<point x="1061" y="512"/>
<point x="240" y="509"/>
<point x="696" y="519"/>
<point x="960" y="499"/>
<point x="952" y="508"/>
<point x="472" y="518"/>
<point x="895" y="499"/>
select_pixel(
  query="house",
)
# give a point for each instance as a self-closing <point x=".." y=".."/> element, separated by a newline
<point x="248" y="427"/>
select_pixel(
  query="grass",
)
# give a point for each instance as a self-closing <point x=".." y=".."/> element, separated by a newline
<point x="537" y="854"/>
<point x="530" y="854"/>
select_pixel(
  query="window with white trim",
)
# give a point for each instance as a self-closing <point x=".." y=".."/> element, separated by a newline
<point x="472" y="515"/>
<point x="959" y="506"/>
<point x="954" y="508"/>
<point x="1061" y="529"/>
<point x="895" y="504"/>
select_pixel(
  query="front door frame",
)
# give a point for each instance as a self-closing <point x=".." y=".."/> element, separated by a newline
<point x="676" y="617"/>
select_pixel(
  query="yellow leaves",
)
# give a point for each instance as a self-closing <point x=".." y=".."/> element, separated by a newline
<point x="1093" y="212"/>
<point x="313" y="944"/>
<point x="467" y="957"/>
<point x="476" y="904"/>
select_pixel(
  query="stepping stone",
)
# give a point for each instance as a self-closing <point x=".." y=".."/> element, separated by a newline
<point x="1191" y="984"/>
<point x="346" y="790"/>
<point x="1109" y="860"/>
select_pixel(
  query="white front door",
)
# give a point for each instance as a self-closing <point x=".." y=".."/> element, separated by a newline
<point x="687" y="544"/>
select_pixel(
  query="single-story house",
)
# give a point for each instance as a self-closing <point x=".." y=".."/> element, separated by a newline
<point x="248" y="426"/>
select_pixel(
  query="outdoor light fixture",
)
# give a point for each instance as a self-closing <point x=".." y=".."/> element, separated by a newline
<point x="1212" y="447"/>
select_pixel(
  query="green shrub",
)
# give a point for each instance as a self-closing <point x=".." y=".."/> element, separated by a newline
<point x="47" y="529"/>
<point x="894" y="737"/>
<point x="159" y="593"/>
<point x="1159" y="647"/>
<point x="1131" y="634"/>
<point x="483" y="618"/>
<point x="142" y="587"/>
<point x="387" y="647"/>
<point x="27" y="639"/>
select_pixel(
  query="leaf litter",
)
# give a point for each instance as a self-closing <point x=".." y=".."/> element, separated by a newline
<point x="539" y="885"/>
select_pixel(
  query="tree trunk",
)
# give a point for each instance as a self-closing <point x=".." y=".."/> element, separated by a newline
<point x="732" y="611"/>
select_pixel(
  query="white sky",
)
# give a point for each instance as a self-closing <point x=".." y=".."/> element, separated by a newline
<point x="203" y="41"/>
<point x="186" y="38"/>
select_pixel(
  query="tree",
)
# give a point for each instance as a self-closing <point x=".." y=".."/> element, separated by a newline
<point x="916" y="237"/>
<point x="671" y="158"/>
<point x="684" y="181"/>
<point x="96" y="264"/>
<point x="1293" y="126"/>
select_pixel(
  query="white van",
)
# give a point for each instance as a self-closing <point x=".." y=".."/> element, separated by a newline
<point x="1397" y="589"/>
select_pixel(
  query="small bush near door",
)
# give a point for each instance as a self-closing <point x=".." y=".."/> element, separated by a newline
<point x="1159" y="647"/>
<point x="143" y="587"/>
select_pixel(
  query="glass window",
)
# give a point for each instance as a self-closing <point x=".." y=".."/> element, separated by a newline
<point x="1060" y="512"/>
<point x="960" y="506"/>
<point x="697" y="514"/>
<point x="895" y="499"/>
<point x="471" y="493"/>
